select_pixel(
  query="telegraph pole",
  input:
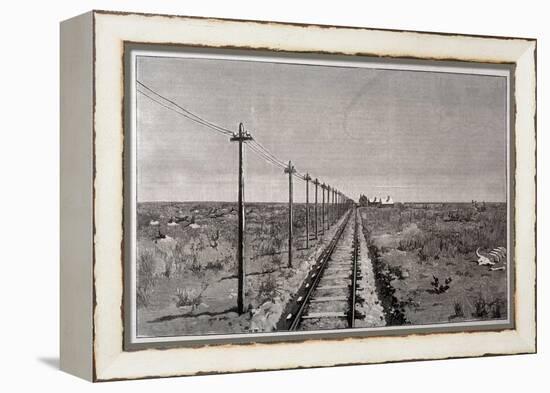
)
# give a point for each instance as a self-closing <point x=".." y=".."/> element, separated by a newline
<point x="290" y="170"/>
<point x="323" y="188"/>
<point x="328" y="206"/>
<point x="343" y="204"/>
<point x="316" y="182"/>
<point x="241" y="137"/>
<point x="338" y="203"/>
<point x="331" y="207"/>
<point x="337" y="196"/>
<point x="307" y="178"/>
<point x="334" y="215"/>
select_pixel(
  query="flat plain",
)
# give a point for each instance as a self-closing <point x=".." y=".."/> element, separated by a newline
<point x="426" y="266"/>
<point x="423" y="256"/>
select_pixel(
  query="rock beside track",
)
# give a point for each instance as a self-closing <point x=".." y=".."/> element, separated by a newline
<point x="372" y="307"/>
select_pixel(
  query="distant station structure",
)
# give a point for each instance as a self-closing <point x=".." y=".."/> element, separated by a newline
<point x="375" y="201"/>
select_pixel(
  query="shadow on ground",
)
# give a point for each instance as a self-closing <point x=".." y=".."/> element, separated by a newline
<point x="50" y="361"/>
<point x="193" y="315"/>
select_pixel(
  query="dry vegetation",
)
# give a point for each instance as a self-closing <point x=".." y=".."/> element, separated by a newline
<point x="425" y="263"/>
<point x="186" y="281"/>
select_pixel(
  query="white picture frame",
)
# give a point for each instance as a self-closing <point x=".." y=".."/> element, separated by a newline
<point x="93" y="252"/>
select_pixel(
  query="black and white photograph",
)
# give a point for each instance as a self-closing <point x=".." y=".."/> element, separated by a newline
<point x="316" y="194"/>
<point x="212" y="196"/>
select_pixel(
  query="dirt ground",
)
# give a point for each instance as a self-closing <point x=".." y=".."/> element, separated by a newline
<point x="186" y="282"/>
<point x="425" y="263"/>
<point x="421" y="258"/>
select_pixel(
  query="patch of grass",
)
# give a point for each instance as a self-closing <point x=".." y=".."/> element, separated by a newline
<point x="498" y="307"/>
<point x="145" y="277"/>
<point x="195" y="267"/>
<point x="189" y="297"/>
<point x="428" y="230"/>
<point x="435" y="243"/>
<point x="484" y="309"/>
<point x="215" y="266"/>
<point x="437" y="287"/>
<point x="277" y="260"/>
<point x="480" y="308"/>
<point x="397" y="272"/>
<point x="458" y="311"/>
<point x="394" y="309"/>
<point x="268" y="289"/>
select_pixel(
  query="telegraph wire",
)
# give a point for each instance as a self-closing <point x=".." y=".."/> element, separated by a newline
<point x="254" y="145"/>
<point x="268" y="159"/>
<point x="187" y="112"/>
<point x="180" y="113"/>
<point x="260" y="146"/>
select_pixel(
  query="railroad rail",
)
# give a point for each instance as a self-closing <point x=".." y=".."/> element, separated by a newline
<point x="327" y="297"/>
<point x="354" y="271"/>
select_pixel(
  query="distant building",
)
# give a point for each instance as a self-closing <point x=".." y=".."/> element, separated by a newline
<point x="376" y="201"/>
<point x="386" y="202"/>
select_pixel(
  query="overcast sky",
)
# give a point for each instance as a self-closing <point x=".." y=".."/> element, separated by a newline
<point x="417" y="136"/>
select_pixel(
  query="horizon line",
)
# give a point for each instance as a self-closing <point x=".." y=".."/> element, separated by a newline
<point x="311" y="202"/>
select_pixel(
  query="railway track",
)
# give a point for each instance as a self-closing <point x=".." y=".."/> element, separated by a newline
<point x="328" y="296"/>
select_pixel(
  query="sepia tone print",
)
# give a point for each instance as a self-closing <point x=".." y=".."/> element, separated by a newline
<point x="281" y="196"/>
